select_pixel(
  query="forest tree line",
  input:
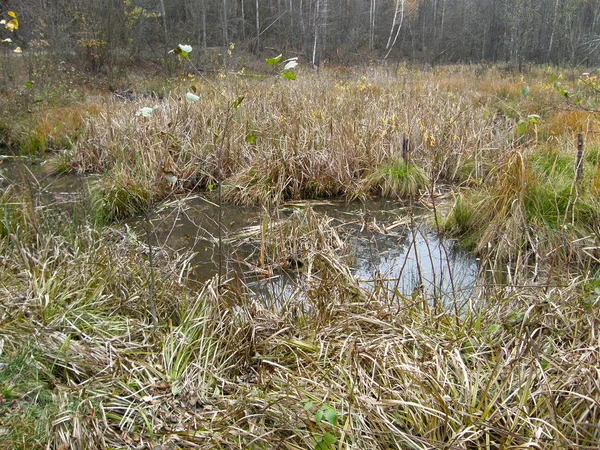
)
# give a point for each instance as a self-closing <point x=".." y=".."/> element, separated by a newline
<point x="107" y="32"/>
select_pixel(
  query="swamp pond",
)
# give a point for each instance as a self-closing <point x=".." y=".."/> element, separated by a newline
<point x="376" y="238"/>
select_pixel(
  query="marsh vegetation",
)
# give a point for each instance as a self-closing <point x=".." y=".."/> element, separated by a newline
<point x="110" y="339"/>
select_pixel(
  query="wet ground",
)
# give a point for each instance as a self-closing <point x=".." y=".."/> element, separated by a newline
<point x="381" y="240"/>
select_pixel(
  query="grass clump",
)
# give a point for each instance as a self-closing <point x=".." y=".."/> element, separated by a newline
<point x="113" y="199"/>
<point x="397" y="180"/>
<point x="526" y="205"/>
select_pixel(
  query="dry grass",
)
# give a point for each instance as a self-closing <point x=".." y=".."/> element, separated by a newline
<point x="320" y="136"/>
<point x="84" y="369"/>
<point x="334" y="365"/>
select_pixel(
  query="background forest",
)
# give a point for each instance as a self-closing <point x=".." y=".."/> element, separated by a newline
<point x="386" y="237"/>
<point x="113" y="32"/>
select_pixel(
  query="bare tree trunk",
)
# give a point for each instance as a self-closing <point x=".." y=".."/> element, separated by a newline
<point x="225" y="20"/>
<point x="387" y="46"/>
<point x="553" y="30"/>
<point x="243" y="21"/>
<point x="372" y="11"/>
<point x="257" y="27"/>
<point x="164" y="19"/>
<point x="315" y="35"/>
<point x="204" y="24"/>
<point x="390" y="47"/>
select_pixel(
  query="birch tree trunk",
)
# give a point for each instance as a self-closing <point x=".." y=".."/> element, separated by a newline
<point x="390" y="47"/>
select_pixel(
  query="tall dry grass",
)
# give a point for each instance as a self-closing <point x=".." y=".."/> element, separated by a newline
<point x="322" y="135"/>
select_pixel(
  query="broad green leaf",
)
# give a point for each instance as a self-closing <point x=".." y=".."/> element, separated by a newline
<point x="273" y="61"/>
<point x="238" y="102"/>
<point x="288" y="75"/>
<point x="250" y="139"/>
<point x="525" y="91"/>
<point x="545" y="363"/>
<point x="319" y="416"/>
<point x="331" y="416"/>
<point x="329" y="438"/>
<point x="521" y="126"/>
<point x="591" y="103"/>
<point x="28" y="84"/>
<point x="307" y="406"/>
<point x="322" y="445"/>
<point x="556" y="84"/>
<point x="192" y="97"/>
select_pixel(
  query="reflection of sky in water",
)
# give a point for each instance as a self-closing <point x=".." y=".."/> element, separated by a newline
<point x="392" y="258"/>
<point x="409" y="259"/>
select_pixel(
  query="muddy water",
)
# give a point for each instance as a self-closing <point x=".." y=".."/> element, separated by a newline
<point x="20" y="172"/>
<point x="380" y="239"/>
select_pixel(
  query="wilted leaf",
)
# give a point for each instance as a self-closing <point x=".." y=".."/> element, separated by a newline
<point x="172" y="179"/>
<point x="291" y="63"/>
<point x="289" y="75"/>
<point x="2" y="22"/>
<point x="7" y="40"/>
<point x="12" y="25"/>
<point x="18" y="50"/>
<point x="182" y="50"/>
<point x="273" y="61"/>
<point x="192" y="97"/>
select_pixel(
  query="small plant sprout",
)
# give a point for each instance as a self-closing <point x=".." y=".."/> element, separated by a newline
<point x="182" y="50"/>
<point x="289" y="64"/>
